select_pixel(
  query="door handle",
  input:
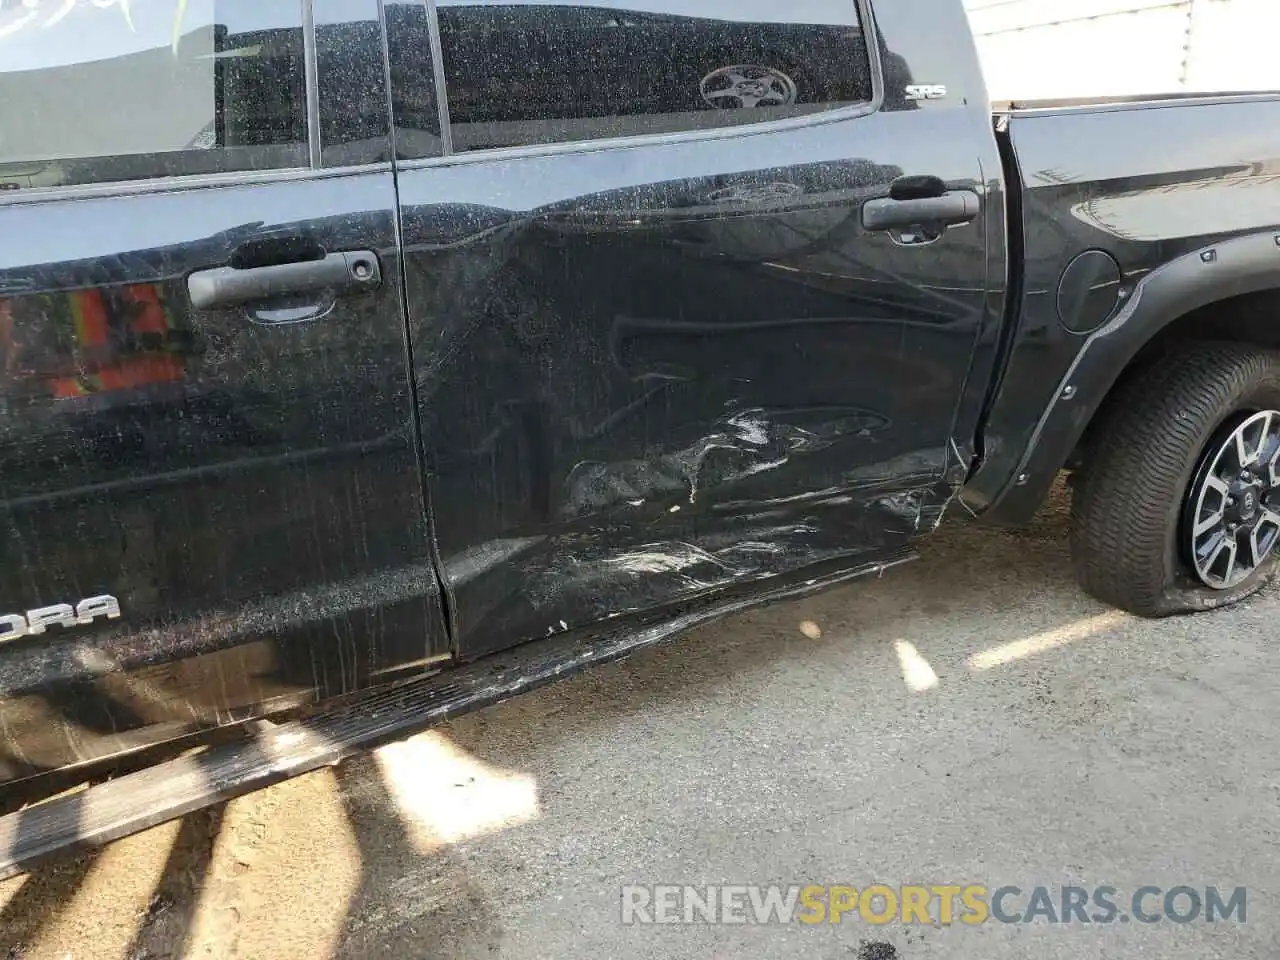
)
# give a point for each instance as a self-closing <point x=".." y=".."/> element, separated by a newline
<point x="957" y="206"/>
<point x="343" y="273"/>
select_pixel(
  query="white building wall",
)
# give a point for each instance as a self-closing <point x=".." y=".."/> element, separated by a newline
<point x="1082" y="48"/>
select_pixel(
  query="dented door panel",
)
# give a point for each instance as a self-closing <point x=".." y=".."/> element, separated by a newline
<point x="652" y="372"/>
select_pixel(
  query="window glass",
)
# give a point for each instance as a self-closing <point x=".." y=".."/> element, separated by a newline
<point x="102" y="90"/>
<point x="354" y="128"/>
<point x="539" y="71"/>
<point x="413" y="85"/>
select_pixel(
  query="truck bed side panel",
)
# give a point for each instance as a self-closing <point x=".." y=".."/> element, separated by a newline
<point x="1160" y="187"/>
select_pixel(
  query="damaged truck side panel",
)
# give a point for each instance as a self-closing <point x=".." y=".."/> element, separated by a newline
<point x="582" y="383"/>
<point x="409" y="355"/>
<point x="667" y="366"/>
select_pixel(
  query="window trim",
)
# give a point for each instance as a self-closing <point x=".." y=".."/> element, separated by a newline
<point x="437" y="73"/>
<point x="204" y="181"/>
<point x="184" y="182"/>
<point x="447" y="158"/>
<point x="311" y="81"/>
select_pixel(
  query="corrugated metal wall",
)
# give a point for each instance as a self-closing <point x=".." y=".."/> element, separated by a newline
<point x="1071" y="48"/>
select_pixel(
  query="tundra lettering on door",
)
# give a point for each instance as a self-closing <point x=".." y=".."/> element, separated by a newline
<point x="37" y="621"/>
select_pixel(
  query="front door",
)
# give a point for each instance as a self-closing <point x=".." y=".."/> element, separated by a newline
<point x="659" y="350"/>
<point x="210" y="498"/>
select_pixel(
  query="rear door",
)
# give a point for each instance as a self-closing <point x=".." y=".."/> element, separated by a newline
<point x="659" y="352"/>
<point x="210" y="501"/>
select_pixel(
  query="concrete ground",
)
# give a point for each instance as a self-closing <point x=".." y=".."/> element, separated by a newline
<point x="968" y="719"/>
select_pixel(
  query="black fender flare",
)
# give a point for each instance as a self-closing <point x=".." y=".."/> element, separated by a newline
<point x="1241" y="265"/>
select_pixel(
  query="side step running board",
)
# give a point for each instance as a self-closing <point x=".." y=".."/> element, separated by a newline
<point x="174" y="788"/>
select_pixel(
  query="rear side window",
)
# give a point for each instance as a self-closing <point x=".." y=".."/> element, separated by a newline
<point x="132" y="89"/>
<point x="538" y="71"/>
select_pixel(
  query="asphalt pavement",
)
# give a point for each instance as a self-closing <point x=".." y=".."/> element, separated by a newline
<point x="967" y="721"/>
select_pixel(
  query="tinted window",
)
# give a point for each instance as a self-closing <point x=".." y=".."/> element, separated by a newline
<point x="413" y="86"/>
<point x="353" y="86"/>
<point x="145" y="88"/>
<point x="540" y="71"/>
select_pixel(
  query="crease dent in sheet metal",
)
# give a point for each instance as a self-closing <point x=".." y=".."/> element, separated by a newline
<point x="726" y="540"/>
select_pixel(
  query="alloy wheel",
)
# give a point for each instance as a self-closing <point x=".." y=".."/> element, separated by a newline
<point x="1231" y="519"/>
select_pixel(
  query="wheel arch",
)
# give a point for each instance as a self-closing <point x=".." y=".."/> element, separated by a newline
<point x="1229" y="291"/>
<point x="1252" y="318"/>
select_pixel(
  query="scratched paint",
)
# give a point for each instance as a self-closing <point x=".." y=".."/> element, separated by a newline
<point x="677" y="370"/>
<point x="625" y="382"/>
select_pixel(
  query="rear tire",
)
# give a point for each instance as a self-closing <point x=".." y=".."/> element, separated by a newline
<point x="1141" y="496"/>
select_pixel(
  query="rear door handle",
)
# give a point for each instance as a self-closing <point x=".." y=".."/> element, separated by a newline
<point x="958" y="206"/>
<point x="351" y="271"/>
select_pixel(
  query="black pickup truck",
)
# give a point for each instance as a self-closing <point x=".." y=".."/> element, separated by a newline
<point x="364" y="362"/>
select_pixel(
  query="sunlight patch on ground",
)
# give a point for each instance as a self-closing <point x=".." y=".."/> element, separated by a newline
<point x="445" y="794"/>
<point x="109" y="905"/>
<point x="811" y="629"/>
<point x="916" y="672"/>
<point x="286" y="867"/>
<point x="1048" y="640"/>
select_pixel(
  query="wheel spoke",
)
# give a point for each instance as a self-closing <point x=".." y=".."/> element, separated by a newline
<point x="1209" y="523"/>
<point x="1264" y="434"/>
<point x="1209" y="550"/>
<point x="1269" y="523"/>
<point x="1247" y="450"/>
<point x="1215" y="485"/>
<point x="1218" y="486"/>
<point x="1242" y="453"/>
<point x="1260" y="545"/>
<point x="1232" y="549"/>
<point x="1256" y="553"/>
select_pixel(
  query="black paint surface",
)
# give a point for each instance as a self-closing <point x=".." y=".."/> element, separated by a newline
<point x="599" y="382"/>
<point x="655" y="369"/>
<point x="244" y="481"/>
